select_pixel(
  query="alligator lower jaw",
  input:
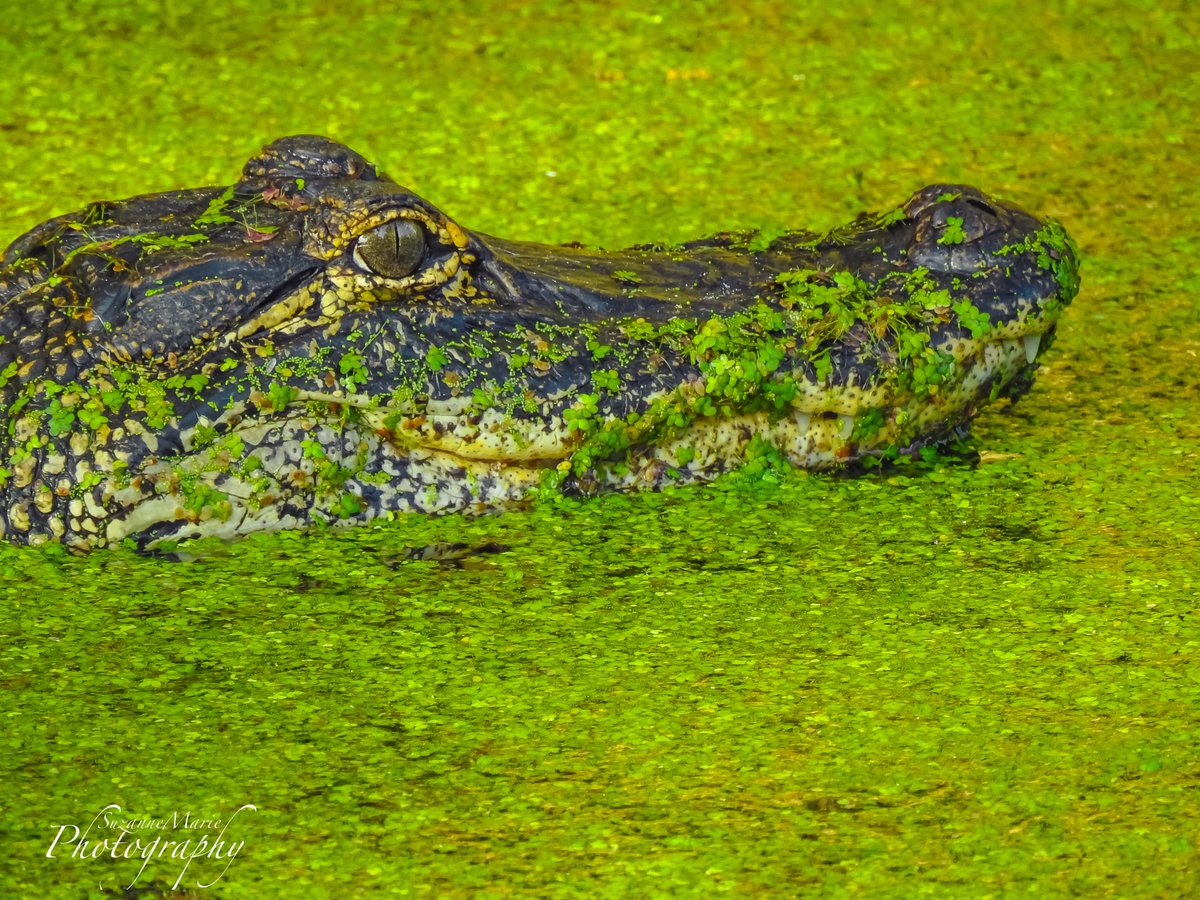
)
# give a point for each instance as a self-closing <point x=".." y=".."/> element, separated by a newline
<point x="825" y="427"/>
<point x="461" y="465"/>
<point x="825" y="438"/>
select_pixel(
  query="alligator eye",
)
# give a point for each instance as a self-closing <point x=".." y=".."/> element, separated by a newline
<point x="393" y="250"/>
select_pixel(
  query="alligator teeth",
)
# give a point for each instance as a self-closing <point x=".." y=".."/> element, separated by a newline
<point x="845" y="426"/>
<point x="1032" y="342"/>
<point x="802" y="420"/>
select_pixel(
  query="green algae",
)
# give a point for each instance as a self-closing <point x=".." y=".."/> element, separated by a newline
<point x="946" y="678"/>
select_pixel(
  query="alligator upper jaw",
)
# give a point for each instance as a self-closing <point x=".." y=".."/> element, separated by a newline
<point x="717" y="276"/>
<point x="595" y="286"/>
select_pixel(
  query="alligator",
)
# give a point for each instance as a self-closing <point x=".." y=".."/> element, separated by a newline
<point x="316" y="344"/>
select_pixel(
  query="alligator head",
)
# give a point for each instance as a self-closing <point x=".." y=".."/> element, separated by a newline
<point x="317" y="343"/>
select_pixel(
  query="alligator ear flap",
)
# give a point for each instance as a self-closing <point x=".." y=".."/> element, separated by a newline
<point x="308" y="156"/>
<point x="39" y="243"/>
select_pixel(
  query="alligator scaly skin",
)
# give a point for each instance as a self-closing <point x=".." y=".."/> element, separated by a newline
<point x="317" y="343"/>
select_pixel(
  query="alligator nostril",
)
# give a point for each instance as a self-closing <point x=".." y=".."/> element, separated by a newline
<point x="982" y="204"/>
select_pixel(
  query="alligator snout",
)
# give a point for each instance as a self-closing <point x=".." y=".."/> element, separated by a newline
<point x="959" y="229"/>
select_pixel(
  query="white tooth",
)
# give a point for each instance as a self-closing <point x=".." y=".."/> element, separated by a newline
<point x="1032" y="342"/>
<point x="802" y="419"/>
<point x="846" y="424"/>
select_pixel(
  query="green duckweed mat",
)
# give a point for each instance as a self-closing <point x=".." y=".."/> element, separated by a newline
<point x="974" y="678"/>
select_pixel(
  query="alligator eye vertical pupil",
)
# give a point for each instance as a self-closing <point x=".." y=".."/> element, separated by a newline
<point x="393" y="250"/>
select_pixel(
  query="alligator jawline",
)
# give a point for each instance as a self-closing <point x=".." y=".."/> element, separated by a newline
<point x="819" y="436"/>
